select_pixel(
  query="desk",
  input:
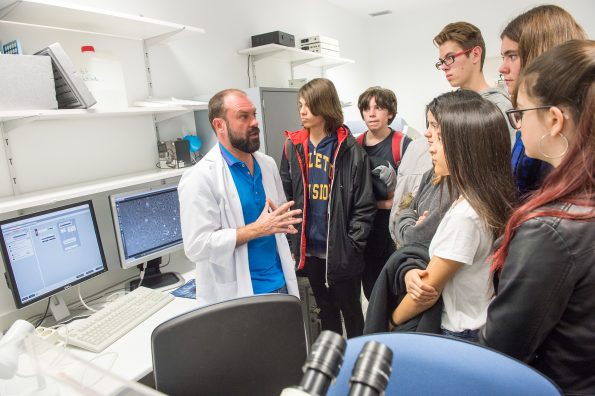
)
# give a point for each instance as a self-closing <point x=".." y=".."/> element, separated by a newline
<point x="134" y="359"/>
<point x="129" y="359"/>
<point x="134" y="349"/>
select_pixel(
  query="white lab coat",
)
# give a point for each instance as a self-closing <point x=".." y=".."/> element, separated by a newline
<point x="211" y="211"/>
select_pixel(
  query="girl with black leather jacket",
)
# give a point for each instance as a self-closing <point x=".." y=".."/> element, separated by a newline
<point x="544" y="309"/>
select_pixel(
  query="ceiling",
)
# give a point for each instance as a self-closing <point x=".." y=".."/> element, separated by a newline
<point x="364" y="8"/>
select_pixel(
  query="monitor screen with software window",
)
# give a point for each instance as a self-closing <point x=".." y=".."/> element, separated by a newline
<point x="50" y="251"/>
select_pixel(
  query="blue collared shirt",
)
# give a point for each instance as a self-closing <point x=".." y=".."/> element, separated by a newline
<point x="263" y="259"/>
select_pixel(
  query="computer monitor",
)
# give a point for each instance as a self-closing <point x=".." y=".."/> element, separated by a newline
<point x="50" y="251"/>
<point x="147" y="225"/>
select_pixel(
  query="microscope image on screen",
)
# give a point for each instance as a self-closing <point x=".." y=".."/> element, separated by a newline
<point x="147" y="225"/>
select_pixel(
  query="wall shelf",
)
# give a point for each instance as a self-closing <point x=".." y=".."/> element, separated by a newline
<point x="13" y="119"/>
<point x="54" y="195"/>
<point x="64" y="114"/>
<point x="294" y="55"/>
<point x="58" y="15"/>
<point x="76" y="19"/>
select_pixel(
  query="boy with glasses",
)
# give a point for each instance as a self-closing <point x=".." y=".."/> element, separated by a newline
<point x="461" y="58"/>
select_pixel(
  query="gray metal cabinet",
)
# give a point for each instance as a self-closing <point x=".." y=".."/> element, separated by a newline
<point x="277" y="110"/>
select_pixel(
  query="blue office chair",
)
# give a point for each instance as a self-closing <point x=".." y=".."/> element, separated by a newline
<point x="248" y="346"/>
<point x="426" y="364"/>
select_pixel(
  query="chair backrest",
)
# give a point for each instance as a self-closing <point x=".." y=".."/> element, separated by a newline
<point x="425" y="364"/>
<point x="248" y="346"/>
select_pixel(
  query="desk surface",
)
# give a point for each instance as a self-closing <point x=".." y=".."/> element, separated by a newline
<point x="134" y="359"/>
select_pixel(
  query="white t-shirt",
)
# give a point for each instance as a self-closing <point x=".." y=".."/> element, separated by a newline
<point x="462" y="237"/>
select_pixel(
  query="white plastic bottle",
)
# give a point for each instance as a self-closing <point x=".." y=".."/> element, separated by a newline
<point x="105" y="80"/>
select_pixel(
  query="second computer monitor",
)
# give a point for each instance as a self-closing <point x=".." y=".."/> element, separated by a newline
<point x="147" y="223"/>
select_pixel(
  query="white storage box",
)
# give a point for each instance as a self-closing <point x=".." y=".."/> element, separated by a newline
<point x="26" y="83"/>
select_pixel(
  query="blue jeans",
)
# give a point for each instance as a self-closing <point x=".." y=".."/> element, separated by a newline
<point x="281" y="290"/>
<point x="467" y="335"/>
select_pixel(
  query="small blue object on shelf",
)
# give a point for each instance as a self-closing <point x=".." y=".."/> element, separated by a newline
<point x="194" y="141"/>
<point x="12" y="47"/>
<point x="187" y="290"/>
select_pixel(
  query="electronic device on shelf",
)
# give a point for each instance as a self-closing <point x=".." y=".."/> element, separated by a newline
<point x="174" y="153"/>
<point x="71" y="90"/>
<point x="50" y="251"/>
<point x="12" y="47"/>
<point x="276" y="37"/>
<point x="147" y="225"/>
<point x="117" y="318"/>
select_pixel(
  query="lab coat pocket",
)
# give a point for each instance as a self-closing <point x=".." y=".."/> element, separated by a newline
<point x="222" y="272"/>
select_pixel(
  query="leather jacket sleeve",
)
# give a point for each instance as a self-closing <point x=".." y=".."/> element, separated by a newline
<point x="364" y="204"/>
<point x="534" y="288"/>
<point x="284" y="171"/>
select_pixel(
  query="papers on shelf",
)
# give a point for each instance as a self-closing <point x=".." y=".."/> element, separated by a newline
<point x="173" y="102"/>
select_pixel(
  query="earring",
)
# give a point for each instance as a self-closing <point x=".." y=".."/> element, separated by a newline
<point x="556" y="156"/>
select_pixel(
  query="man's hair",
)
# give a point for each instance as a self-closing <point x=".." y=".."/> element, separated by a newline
<point x="544" y="27"/>
<point x="464" y="34"/>
<point x="217" y="103"/>
<point x="322" y="99"/>
<point x="385" y="99"/>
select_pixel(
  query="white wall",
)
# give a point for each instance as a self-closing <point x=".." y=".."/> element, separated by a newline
<point x="394" y="51"/>
<point x="210" y="62"/>
<point x="57" y="153"/>
<point x="404" y="54"/>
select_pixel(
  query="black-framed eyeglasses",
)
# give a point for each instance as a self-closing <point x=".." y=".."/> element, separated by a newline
<point x="450" y="59"/>
<point x="515" y="116"/>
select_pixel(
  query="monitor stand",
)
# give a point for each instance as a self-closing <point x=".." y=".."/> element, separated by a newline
<point x="59" y="308"/>
<point x="155" y="279"/>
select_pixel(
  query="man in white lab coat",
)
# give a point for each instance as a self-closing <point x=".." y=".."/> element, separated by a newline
<point x="233" y="210"/>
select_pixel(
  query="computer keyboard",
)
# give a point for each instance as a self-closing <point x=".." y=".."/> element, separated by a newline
<point x="113" y="321"/>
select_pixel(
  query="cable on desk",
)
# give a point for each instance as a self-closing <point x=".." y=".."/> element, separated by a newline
<point x="76" y="305"/>
<point x="142" y="274"/>
<point x="45" y="314"/>
<point x="168" y="260"/>
<point x="82" y="301"/>
<point x="248" y="70"/>
<point x="101" y="376"/>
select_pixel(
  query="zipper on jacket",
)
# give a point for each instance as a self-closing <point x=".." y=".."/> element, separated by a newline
<point x="328" y="210"/>
<point x="305" y="197"/>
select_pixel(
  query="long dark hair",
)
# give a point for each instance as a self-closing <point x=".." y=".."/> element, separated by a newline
<point x="477" y="149"/>
<point x="322" y="99"/>
<point x="563" y="76"/>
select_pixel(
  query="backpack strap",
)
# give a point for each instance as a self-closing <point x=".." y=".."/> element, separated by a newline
<point x="360" y="138"/>
<point x="396" y="146"/>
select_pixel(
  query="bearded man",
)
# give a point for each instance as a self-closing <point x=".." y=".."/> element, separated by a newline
<point x="234" y="212"/>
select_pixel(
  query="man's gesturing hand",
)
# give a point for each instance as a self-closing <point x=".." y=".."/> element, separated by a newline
<point x="275" y="219"/>
<point x="272" y="220"/>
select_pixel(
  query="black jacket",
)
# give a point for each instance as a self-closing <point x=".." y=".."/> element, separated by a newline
<point x="390" y="289"/>
<point x="544" y="310"/>
<point x="352" y="206"/>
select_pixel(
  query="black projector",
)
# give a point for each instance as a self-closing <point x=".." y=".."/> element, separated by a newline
<point x="277" y="37"/>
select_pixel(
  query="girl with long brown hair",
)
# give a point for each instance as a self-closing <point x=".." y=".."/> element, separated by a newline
<point x="544" y="309"/>
<point x="470" y="146"/>
<point x="523" y="39"/>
